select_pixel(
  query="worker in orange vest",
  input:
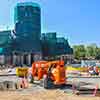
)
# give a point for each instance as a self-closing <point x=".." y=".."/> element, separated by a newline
<point x="96" y="70"/>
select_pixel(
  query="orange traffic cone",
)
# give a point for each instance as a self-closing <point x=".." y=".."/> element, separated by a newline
<point x="73" y="88"/>
<point x="22" y="84"/>
<point x="95" y="91"/>
<point x="25" y="82"/>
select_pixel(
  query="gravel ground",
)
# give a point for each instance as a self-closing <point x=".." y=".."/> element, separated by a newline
<point x="43" y="95"/>
<point x="35" y="92"/>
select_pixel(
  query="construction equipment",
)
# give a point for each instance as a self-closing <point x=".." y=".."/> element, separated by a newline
<point x="51" y="73"/>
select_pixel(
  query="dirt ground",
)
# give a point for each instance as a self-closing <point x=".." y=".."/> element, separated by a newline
<point x="43" y="95"/>
<point x="38" y="93"/>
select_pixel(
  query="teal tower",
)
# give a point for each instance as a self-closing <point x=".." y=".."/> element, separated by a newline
<point x="27" y="19"/>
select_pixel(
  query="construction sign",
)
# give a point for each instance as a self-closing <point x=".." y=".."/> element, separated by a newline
<point x="22" y="72"/>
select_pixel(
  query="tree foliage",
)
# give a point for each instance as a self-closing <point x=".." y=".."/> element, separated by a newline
<point x="79" y="51"/>
<point x="86" y="52"/>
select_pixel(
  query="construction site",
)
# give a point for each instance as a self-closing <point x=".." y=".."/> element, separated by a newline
<point x="39" y="66"/>
<point x="48" y="81"/>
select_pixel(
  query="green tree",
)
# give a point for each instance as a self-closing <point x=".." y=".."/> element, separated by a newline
<point x="91" y="51"/>
<point x="79" y="52"/>
<point x="98" y="53"/>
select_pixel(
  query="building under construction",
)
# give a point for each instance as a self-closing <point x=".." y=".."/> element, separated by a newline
<point x="25" y="44"/>
<point x="54" y="47"/>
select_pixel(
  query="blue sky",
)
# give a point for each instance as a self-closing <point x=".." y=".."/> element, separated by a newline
<point x="77" y="20"/>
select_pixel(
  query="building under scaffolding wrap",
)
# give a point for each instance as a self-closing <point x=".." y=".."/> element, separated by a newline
<point x="26" y="35"/>
<point x="5" y="46"/>
<point x="27" y="20"/>
<point x="25" y="44"/>
<point x="52" y="46"/>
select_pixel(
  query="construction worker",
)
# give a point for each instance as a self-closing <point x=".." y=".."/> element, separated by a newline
<point x="91" y="70"/>
<point x="96" y="70"/>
